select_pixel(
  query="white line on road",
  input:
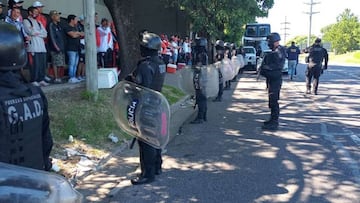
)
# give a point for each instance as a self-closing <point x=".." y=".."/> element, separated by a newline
<point x="352" y="164"/>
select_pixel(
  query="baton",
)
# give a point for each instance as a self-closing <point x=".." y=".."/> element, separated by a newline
<point x="132" y="143"/>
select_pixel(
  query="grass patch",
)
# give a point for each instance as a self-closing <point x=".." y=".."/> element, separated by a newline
<point x="73" y="113"/>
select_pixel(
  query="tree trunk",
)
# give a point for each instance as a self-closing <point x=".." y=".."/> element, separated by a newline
<point x="123" y="14"/>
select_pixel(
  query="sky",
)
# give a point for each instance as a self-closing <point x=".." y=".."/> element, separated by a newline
<point x="294" y="13"/>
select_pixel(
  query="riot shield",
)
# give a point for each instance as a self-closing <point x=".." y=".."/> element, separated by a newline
<point x="142" y="112"/>
<point x="236" y="64"/>
<point x="241" y="60"/>
<point x="20" y="184"/>
<point x="186" y="80"/>
<point x="209" y="81"/>
<point x="227" y="69"/>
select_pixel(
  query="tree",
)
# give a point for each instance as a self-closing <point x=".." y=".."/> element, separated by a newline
<point x="345" y="34"/>
<point x="222" y="19"/>
<point x="122" y="12"/>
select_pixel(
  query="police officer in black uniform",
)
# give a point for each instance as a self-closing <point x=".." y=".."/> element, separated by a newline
<point x="25" y="137"/>
<point x="317" y="54"/>
<point x="271" y="69"/>
<point x="220" y="49"/>
<point x="200" y="59"/>
<point x="150" y="73"/>
<point x="227" y="54"/>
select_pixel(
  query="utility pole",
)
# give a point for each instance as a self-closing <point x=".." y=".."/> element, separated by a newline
<point x="285" y="28"/>
<point x="90" y="49"/>
<point x="310" y="18"/>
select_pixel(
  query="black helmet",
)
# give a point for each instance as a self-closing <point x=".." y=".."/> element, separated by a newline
<point x="12" y="51"/>
<point x="151" y="41"/>
<point x="318" y="40"/>
<point x="201" y="42"/>
<point x="227" y="45"/>
<point x="233" y="46"/>
<point x="219" y="43"/>
<point x="273" y="37"/>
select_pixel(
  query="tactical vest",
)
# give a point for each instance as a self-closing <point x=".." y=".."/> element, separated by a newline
<point x="316" y="55"/>
<point x="159" y="69"/>
<point x="21" y="128"/>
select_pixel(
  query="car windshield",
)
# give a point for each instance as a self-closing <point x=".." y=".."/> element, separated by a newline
<point x="249" y="50"/>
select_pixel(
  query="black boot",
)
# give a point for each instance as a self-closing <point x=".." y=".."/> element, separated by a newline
<point x="271" y="125"/>
<point x="217" y="99"/>
<point x="197" y="121"/>
<point x="142" y="180"/>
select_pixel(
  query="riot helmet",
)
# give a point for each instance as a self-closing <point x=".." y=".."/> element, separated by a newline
<point x="201" y="42"/>
<point x="12" y="51"/>
<point x="219" y="43"/>
<point x="317" y="40"/>
<point x="227" y="45"/>
<point x="233" y="46"/>
<point x="150" y="41"/>
<point x="272" y="38"/>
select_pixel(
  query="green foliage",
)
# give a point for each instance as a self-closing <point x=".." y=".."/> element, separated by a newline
<point x="345" y="34"/>
<point x="172" y="94"/>
<point x="222" y="19"/>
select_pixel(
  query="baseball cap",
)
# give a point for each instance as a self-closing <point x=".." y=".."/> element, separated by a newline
<point x="37" y="4"/>
<point x="54" y="12"/>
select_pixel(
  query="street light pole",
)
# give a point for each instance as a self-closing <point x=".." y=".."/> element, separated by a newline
<point x="310" y="19"/>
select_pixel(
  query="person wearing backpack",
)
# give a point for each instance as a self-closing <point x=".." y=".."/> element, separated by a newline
<point x="317" y="54"/>
<point x="36" y="48"/>
<point x="25" y="137"/>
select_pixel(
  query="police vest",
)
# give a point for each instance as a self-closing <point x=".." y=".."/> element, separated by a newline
<point x="316" y="54"/>
<point x="159" y="70"/>
<point x="21" y="128"/>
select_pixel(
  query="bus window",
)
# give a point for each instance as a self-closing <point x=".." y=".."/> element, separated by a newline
<point x="264" y="31"/>
<point x="251" y="31"/>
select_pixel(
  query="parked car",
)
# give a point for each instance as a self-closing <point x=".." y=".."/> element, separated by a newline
<point x="250" y="57"/>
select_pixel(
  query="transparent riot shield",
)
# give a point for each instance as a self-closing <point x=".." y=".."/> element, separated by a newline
<point x="186" y="82"/>
<point x="236" y="64"/>
<point x="209" y="80"/>
<point x="142" y="112"/>
<point x="227" y="69"/>
<point x="20" y="184"/>
<point x="241" y="60"/>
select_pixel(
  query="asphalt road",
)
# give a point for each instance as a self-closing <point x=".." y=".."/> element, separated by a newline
<point x="313" y="157"/>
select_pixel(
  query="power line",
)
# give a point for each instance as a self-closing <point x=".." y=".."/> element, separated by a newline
<point x="310" y="13"/>
<point x="285" y="28"/>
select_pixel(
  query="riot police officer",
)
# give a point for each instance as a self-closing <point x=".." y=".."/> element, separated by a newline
<point x="317" y="54"/>
<point x="271" y="69"/>
<point x="220" y="49"/>
<point x="227" y="55"/>
<point x="25" y="137"/>
<point x="150" y="73"/>
<point x="200" y="59"/>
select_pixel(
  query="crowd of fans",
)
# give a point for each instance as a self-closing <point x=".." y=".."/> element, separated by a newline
<point x="52" y="44"/>
<point x="176" y="50"/>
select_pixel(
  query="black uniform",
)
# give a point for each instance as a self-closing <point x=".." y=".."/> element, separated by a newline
<point x="200" y="58"/>
<point x="272" y="69"/>
<point x="218" y="58"/>
<point x="150" y="73"/>
<point x="25" y="137"/>
<point x="317" y="54"/>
